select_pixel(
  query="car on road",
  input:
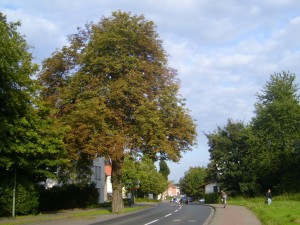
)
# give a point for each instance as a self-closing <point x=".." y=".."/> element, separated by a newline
<point x="202" y="200"/>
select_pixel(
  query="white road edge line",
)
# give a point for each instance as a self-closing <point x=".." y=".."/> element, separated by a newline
<point x="151" y="222"/>
<point x="168" y="215"/>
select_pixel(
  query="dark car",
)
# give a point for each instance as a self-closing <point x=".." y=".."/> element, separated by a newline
<point x="185" y="200"/>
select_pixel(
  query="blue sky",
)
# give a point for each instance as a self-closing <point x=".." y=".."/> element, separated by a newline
<point x="224" y="51"/>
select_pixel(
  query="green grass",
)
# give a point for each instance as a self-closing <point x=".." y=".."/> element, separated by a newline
<point x="284" y="210"/>
<point x="65" y="214"/>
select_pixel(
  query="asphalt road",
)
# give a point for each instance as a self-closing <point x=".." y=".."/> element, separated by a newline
<point x="164" y="214"/>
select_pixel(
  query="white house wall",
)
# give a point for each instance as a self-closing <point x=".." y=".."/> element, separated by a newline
<point x="98" y="177"/>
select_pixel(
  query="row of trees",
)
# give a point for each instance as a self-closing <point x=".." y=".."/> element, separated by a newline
<point x="250" y="158"/>
<point x="143" y="177"/>
<point x="108" y="93"/>
<point x="247" y="159"/>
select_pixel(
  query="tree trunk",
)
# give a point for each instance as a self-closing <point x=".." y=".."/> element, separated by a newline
<point x="116" y="178"/>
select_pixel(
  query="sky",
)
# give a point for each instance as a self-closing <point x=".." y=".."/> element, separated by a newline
<point x="224" y="51"/>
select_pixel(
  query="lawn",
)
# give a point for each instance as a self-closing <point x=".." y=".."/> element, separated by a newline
<point x="284" y="210"/>
<point x="77" y="214"/>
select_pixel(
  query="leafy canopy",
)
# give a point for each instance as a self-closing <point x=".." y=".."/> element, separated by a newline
<point x="111" y="87"/>
<point x="27" y="139"/>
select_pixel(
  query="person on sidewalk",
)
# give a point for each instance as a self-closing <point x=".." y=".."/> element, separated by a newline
<point x="129" y="197"/>
<point x="224" y="198"/>
<point x="269" y="197"/>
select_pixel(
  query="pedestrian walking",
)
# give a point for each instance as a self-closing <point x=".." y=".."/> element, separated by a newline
<point x="269" y="196"/>
<point x="129" y="197"/>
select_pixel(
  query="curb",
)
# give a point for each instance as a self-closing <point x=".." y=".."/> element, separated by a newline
<point x="211" y="215"/>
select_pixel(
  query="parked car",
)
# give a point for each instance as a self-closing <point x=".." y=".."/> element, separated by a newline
<point x="202" y="200"/>
<point x="185" y="200"/>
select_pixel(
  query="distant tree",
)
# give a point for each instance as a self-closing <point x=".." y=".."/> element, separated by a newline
<point x="142" y="176"/>
<point x="231" y="158"/>
<point x="193" y="182"/>
<point x="130" y="171"/>
<point x="112" y="88"/>
<point x="276" y="126"/>
<point x="151" y="181"/>
<point x="164" y="169"/>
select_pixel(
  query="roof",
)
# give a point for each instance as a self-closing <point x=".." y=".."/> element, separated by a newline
<point x="108" y="170"/>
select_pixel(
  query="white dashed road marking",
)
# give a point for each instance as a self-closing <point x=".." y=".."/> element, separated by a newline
<point x="151" y="222"/>
<point x="165" y="216"/>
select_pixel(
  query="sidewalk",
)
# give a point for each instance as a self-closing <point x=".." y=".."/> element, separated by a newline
<point x="232" y="215"/>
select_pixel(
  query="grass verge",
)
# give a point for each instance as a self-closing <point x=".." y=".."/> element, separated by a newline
<point x="76" y="214"/>
<point x="284" y="210"/>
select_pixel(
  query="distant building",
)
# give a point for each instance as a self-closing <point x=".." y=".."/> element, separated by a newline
<point x="212" y="188"/>
<point x="172" y="190"/>
<point x="101" y="176"/>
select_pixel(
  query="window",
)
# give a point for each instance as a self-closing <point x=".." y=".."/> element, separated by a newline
<point x="97" y="172"/>
<point x="216" y="189"/>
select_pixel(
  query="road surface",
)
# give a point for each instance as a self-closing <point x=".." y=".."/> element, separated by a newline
<point x="164" y="214"/>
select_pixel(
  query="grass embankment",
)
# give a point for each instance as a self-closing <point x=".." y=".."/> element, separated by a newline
<point x="284" y="210"/>
<point x="76" y="214"/>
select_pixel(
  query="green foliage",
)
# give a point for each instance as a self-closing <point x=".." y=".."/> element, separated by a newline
<point x="231" y="158"/>
<point x="248" y="159"/>
<point x="276" y="127"/>
<point x="193" y="182"/>
<point x="27" y="199"/>
<point x="212" y="198"/>
<point x="151" y="181"/>
<point x="146" y="200"/>
<point x="67" y="197"/>
<point x="284" y="209"/>
<point x="164" y="169"/>
<point x="111" y="87"/>
<point x="129" y="172"/>
<point x="143" y="176"/>
<point x="29" y="142"/>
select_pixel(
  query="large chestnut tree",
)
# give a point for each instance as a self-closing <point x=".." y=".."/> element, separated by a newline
<point x="112" y="89"/>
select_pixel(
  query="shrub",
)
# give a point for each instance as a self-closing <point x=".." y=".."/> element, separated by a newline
<point x="211" y="198"/>
<point x="68" y="197"/>
<point x="27" y="199"/>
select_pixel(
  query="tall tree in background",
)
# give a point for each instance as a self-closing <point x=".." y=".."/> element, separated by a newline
<point x="276" y="126"/>
<point x="114" y="91"/>
<point x="164" y="169"/>
<point x="143" y="177"/>
<point x="231" y="158"/>
<point x="193" y="182"/>
<point x="151" y="181"/>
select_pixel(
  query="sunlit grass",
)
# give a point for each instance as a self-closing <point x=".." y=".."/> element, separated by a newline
<point x="284" y="210"/>
<point x="67" y="214"/>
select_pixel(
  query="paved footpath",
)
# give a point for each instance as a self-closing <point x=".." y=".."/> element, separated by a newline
<point x="231" y="215"/>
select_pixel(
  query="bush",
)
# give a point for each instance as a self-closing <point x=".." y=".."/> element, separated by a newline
<point x="211" y="198"/>
<point x="27" y="199"/>
<point x="68" y="197"/>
